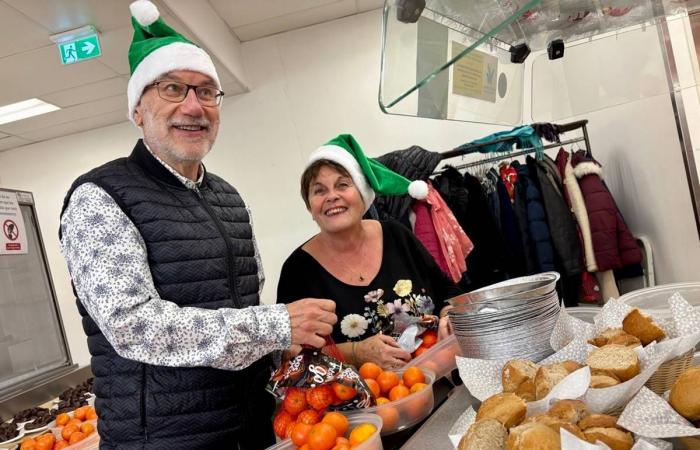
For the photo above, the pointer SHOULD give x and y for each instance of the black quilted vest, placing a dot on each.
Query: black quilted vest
(201, 254)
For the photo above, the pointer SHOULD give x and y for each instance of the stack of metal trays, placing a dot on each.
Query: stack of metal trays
(512, 319)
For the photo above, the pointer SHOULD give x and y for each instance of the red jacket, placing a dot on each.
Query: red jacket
(613, 243)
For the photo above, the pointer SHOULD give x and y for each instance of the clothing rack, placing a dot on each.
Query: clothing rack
(521, 153)
(563, 128)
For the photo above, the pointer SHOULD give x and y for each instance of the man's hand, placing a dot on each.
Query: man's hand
(312, 319)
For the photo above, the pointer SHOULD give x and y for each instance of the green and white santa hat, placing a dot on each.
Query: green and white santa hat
(368, 174)
(156, 49)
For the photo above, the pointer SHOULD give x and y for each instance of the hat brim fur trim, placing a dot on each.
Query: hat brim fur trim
(163, 60)
(341, 156)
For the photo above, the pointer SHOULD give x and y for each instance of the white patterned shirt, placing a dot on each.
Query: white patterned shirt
(108, 263)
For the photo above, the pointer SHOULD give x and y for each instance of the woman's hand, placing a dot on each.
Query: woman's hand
(382, 350)
(444, 326)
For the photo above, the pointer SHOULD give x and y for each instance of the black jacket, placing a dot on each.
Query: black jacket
(561, 221)
(413, 163)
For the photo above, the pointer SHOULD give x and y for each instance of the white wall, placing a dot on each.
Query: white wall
(307, 86)
(619, 84)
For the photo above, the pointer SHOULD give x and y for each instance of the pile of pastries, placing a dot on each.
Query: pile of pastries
(501, 424)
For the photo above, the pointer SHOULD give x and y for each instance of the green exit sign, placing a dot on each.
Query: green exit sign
(77, 50)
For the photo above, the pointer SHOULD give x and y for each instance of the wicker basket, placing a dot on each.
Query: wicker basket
(691, 443)
(668, 373)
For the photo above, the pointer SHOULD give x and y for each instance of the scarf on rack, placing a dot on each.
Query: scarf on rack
(454, 242)
(524, 137)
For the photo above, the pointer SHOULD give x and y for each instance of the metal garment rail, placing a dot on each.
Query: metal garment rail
(519, 153)
(467, 149)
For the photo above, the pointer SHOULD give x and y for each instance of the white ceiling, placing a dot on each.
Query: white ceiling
(92, 93)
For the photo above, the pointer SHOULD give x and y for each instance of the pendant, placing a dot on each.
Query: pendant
(362, 278)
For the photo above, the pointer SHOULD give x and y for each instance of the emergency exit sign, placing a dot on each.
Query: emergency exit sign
(77, 50)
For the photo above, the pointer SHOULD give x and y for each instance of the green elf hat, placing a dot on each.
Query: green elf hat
(369, 175)
(156, 49)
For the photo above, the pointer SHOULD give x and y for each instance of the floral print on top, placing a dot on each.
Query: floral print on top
(409, 284)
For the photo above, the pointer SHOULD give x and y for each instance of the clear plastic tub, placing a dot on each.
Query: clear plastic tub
(585, 313)
(654, 300)
(440, 358)
(373, 443)
(403, 413)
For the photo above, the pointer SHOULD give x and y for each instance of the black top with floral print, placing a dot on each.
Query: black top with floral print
(409, 284)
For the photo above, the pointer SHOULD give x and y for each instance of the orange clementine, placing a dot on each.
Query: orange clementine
(398, 392)
(67, 431)
(343, 391)
(373, 387)
(418, 387)
(304, 447)
(91, 414)
(370, 370)
(45, 441)
(281, 421)
(309, 416)
(419, 351)
(413, 375)
(79, 413)
(340, 440)
(429, 338)
(60, 445)
(390, 418)
(87, 428)
(289, 429)
(28, 444)
(361, 433)
(76, 437)
(76, 422)
(338, 421)
(294, 401)
(321, 437)
(382, 400)
(300, 432)
(342, 446)
(62, 419)
(387, 380)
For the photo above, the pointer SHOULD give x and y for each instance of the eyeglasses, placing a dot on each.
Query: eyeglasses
(176, 92)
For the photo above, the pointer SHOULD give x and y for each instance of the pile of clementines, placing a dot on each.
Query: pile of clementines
(388, 386)
(312, 429)
(429, 338)
(72, 429)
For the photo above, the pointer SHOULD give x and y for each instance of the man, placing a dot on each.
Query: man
(167, 273)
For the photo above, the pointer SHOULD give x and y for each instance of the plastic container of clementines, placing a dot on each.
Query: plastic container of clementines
(400, 414)
(374, 442)
(440, 358)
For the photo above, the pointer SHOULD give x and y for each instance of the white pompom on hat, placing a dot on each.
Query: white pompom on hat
(369, 175)
(156, 49)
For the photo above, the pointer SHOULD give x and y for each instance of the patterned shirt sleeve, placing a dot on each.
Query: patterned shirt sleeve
(108, 263)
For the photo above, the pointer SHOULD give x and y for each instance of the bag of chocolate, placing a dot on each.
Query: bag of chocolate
(328, 383)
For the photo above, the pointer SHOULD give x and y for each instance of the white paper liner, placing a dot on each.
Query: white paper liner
(483, 378)
(682, 329)
(568, 440)
(650, 415)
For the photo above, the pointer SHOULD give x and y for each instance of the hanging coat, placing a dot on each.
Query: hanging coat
(561, 222)
(511, 233)
(464, 196)
(424, 229)
(414, 163)
(613, 243)
(574, 197)
(538, 229)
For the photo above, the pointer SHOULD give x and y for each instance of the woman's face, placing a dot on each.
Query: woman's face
(334, 202)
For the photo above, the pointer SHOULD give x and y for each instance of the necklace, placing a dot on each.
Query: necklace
(354, 273)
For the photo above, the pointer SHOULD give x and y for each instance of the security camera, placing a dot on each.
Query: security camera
(409, 11)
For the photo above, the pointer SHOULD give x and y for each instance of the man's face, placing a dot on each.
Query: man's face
(178, 132)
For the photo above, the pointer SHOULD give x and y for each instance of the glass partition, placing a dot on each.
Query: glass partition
(32, 342)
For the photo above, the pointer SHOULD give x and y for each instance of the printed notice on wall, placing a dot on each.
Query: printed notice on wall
(474, 75)
(13, 236)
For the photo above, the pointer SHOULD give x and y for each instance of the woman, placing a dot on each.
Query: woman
(380, 276)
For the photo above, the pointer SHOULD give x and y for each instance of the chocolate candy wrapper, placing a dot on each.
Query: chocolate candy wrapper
(312, 368)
